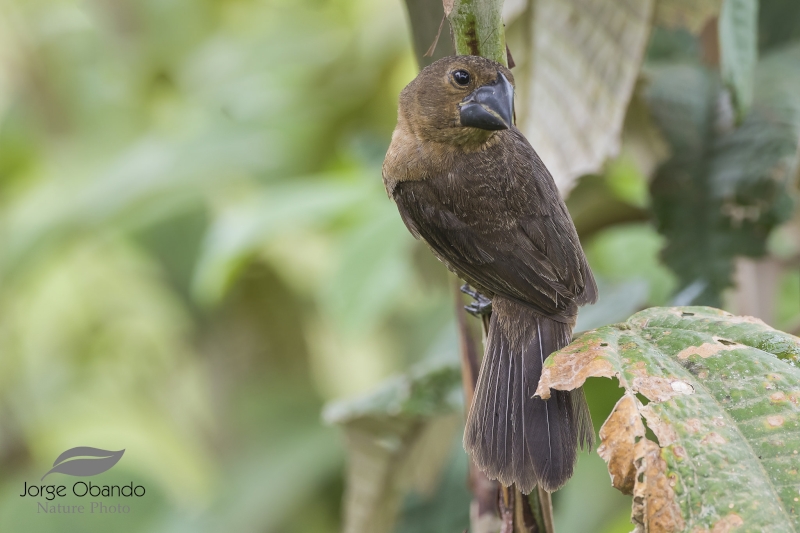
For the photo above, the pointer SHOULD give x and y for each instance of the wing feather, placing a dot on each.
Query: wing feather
(498, 221)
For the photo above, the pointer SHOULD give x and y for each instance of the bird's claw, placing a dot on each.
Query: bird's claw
(479, 309)
(482, 305)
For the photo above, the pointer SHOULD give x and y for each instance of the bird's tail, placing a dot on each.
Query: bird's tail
(511, 435)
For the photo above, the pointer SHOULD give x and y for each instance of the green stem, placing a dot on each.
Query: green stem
(478, 28)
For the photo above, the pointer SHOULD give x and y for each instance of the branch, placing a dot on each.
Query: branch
(483, 509)
(477, 27)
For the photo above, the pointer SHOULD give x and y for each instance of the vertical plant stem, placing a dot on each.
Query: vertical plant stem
(478, 28)
(483, 509)
(507, 505)
(542, 504)
(469, 353)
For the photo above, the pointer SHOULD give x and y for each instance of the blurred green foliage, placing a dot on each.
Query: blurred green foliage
(182, 183)
(197, 254)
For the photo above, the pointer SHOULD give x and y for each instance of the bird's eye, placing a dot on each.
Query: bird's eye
(461, 77)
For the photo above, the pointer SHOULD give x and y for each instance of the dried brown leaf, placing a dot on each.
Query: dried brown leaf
(448, 7)
(662, 429)
(618, 438)
(573, 365)
(654, 505)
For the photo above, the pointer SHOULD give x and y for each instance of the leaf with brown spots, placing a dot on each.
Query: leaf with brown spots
(655, 505)
(722, 402)
(618, 438)
(661, 428)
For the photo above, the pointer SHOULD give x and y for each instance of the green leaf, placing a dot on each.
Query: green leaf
(617, 301)
(243, 227)
(577, 72)
(720, 393)
(447, 508)
(738, 40)
(778, 23)
(600, 509)
(724, 189)
(374, 270)
(629, 252)
(284, 474)
(151, 180)
(421, 394)
(397, 439)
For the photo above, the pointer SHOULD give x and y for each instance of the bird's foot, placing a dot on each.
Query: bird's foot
(482, 305)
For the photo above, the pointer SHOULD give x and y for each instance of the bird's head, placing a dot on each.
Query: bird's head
(460, 100)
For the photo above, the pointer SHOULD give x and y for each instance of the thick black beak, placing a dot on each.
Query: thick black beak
(490, 107)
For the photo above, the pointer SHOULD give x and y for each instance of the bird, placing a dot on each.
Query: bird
(467, 182)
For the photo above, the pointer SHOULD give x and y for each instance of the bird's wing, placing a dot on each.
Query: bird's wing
(503, 228)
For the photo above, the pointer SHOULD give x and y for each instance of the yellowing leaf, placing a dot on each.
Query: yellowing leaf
(579, 79)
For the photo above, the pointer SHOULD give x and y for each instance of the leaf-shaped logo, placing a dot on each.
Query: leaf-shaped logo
(101, 460)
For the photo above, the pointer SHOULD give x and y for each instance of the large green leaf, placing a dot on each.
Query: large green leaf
(447, 509)
(721, 394)
(397, 439)
(738, 43)
(778, 23)
(374, 270)
(681, 99)
(724, 189)
(242, 227)
(577, 71)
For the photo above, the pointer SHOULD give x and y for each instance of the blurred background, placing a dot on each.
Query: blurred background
(197, 253)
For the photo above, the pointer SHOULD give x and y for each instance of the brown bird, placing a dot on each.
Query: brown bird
(468, 183)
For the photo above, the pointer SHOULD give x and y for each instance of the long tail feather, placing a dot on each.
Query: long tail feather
(511, 435)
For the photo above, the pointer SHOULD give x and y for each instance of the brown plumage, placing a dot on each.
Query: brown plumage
(469, 184)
